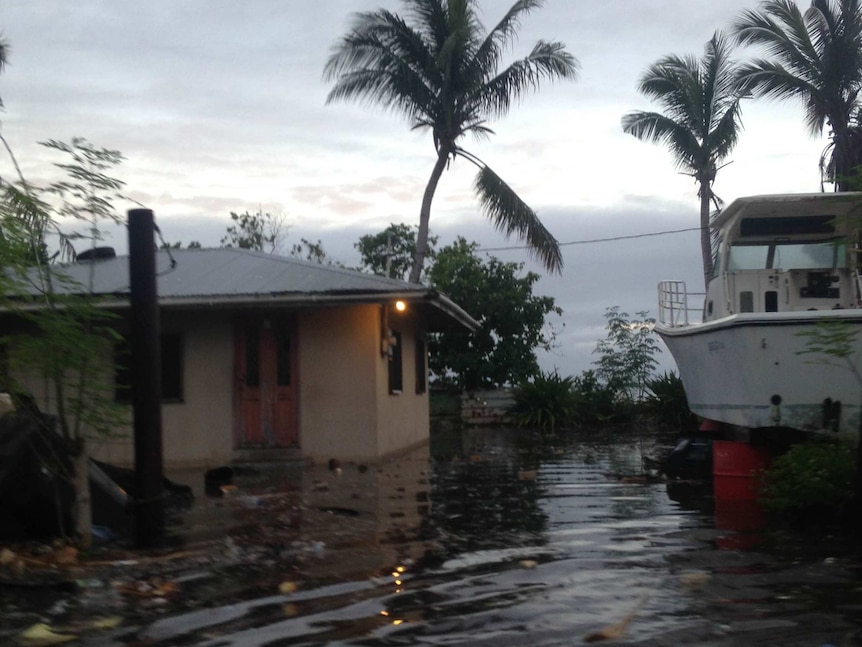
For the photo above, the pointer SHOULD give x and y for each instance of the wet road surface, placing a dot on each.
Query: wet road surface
(497, 542)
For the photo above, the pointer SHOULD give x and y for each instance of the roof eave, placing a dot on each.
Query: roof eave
(428, 296)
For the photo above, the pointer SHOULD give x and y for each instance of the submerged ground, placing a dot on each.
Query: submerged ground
(488, 538)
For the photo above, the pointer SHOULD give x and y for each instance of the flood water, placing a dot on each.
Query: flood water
(497, 540)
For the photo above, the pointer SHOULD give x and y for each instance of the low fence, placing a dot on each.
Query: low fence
(488, 407)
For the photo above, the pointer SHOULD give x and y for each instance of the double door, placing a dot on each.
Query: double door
(265, 370)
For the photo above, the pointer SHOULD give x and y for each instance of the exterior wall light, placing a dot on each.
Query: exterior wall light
(400, 306)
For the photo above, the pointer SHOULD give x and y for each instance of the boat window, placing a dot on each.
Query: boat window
(747, 257)
(716, 258)
(810, 256)
(787, 225)
(787, 256)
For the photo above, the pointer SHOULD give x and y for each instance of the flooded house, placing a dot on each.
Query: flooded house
(266, 357)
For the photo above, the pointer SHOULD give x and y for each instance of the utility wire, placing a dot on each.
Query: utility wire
(597, 240)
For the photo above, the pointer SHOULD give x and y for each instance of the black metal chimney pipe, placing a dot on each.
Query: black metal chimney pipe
(146, 380)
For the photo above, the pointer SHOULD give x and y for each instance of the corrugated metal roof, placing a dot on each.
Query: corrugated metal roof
(231, 276)
(233, 272)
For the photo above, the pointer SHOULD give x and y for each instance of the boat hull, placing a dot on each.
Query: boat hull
(758, 370)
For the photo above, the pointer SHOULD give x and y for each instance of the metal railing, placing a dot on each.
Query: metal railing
(673, 303)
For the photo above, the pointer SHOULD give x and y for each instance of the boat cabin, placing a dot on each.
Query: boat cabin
(786, 253)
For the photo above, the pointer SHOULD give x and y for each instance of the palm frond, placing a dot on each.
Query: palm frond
(726, 132)
(489, 52)
(815, 56)
(511, 215)
(382, 61)
(657, 128)
(431, 20)
(547, 61)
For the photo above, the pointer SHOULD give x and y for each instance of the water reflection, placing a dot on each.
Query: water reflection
(495, 539)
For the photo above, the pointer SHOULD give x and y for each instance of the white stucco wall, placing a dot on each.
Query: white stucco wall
(196, 432)
(338, 354)
(403, 418)
(199, 431)
(345, 410)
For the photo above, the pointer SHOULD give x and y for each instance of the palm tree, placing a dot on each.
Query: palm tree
(701, 123)
(816, 56)
(4, 50)
(441, 70)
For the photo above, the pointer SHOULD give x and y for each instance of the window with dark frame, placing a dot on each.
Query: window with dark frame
(396, 378)
(172, 370)
(421, 369)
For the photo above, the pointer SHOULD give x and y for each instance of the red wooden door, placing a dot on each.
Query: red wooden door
(265, 384)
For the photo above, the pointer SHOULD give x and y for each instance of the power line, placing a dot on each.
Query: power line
(597, 240)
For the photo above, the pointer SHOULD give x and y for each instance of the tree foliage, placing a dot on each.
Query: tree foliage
(437, 66)
(627, 356)
(512, 320)
(260, 231)
(85, 195)
(179, 245)
(310, 251)
(65, 338)
(390, 252)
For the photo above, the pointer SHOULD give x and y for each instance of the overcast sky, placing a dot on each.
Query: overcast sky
(219, 106)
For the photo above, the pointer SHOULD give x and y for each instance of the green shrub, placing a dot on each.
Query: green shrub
(814, 478)
(544, 403)
(667, 403)
(597, 404)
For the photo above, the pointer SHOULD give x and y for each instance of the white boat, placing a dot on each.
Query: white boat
(778, 343)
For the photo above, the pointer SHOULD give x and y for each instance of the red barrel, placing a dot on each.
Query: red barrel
(736, 469)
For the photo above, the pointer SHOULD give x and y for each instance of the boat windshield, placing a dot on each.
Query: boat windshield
(787, 256)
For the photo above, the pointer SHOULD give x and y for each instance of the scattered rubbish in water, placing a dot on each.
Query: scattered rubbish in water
(694, 580)
(42, 635)
(618, 629)
(287, 587)
(344, 512)
(455, 553)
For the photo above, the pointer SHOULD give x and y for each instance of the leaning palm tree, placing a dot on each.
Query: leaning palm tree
(701, 123)
(815, 56)
(442, 71)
